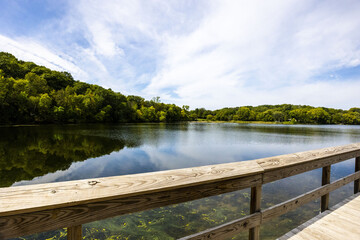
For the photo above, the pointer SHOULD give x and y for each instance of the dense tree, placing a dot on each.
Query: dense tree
(318, 115)
(243, 114)
(299, 115)
(281, 113)
(35, 94)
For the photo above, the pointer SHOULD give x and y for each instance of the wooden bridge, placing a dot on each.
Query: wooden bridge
(31, 209)
(342, 221)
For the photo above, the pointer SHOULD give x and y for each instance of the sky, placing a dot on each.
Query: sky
(201, 53)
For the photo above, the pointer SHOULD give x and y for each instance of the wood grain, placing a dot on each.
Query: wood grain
(287, 170)
(324, 204)
(227, 230)
(357, 182)
(288, 160)
(64, 194)
(341, 222)
(36, 208)
(296, 202)
(23, 199)
(45, 220)
(74, 233)
(255, 206)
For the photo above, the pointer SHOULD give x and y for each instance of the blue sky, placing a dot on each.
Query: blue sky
(209, 54)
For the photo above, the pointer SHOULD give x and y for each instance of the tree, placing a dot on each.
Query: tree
(351, 118)
(318, 115)
(45, 103)
(209, 117)
(162, 117)
(30, 93)
(266, 116)
(243, 114)
(36, 84)
(156, 99)
(299, 114)
(58, 80)
(185, 113)
(279, 116)
(10, 66)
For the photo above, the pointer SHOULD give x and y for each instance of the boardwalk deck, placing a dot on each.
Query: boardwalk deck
(339, 222)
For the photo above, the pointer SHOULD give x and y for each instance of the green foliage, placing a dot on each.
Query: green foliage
(209, 117)
(243, 114)
(35, 94)
(318, 115)
(287, 113)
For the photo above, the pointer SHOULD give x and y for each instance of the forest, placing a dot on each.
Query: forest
(35, 94)
(30, 93)
(284, 113)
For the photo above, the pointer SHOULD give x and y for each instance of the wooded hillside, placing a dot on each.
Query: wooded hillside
(35, 94)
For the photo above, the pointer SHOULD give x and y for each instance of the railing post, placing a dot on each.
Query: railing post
(255, 206)
(357, 182)
(74, 233)
(325, 180)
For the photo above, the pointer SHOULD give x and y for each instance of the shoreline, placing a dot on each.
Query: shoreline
(193, 121)
(259, 122)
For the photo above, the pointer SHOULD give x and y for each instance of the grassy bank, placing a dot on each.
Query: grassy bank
(255, 122)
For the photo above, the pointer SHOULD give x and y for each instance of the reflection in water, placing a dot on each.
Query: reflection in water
(30, 155)
(26, 153)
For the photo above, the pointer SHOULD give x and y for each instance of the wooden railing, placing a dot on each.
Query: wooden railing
(36, 208)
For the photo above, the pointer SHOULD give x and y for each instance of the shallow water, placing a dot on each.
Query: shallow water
(40, 154)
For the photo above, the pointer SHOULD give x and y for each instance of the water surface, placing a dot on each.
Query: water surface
(41, 154)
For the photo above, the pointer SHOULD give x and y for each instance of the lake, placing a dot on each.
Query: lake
(51, 153)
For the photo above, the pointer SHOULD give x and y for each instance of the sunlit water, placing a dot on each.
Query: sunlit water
(41, 154)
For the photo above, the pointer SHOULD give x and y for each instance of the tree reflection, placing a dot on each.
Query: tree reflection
(26, 153)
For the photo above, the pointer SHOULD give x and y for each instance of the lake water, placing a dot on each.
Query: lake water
(41, 154)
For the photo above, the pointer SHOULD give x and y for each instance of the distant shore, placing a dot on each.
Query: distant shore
(260, 122)
(197, 120)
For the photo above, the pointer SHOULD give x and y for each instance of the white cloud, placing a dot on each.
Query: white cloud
(29, 50)
(126, 36)
(206, 53)
(256, 52)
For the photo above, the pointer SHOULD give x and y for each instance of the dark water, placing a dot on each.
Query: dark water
(40, 154)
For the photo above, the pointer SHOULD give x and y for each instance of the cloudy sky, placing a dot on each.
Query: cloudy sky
(200, 53)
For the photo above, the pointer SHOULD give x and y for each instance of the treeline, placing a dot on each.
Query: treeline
(281, 113)
(35, 94)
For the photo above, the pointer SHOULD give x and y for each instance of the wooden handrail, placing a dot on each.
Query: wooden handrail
(72, 193)
(30, 209)
(251, 221)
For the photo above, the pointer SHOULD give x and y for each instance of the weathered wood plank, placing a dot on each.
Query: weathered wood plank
(350, 213)
(284, 166)
(273, 175)
(287, 160)
(341, 222)
(74, 233)
(255, 206)
(338, 226)
(30, 209)
(296, 202)
(54, 195)
(28, 223)
(228, 229)
(255, 200)
(357, 182)
(324, 204)
(23, 199)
